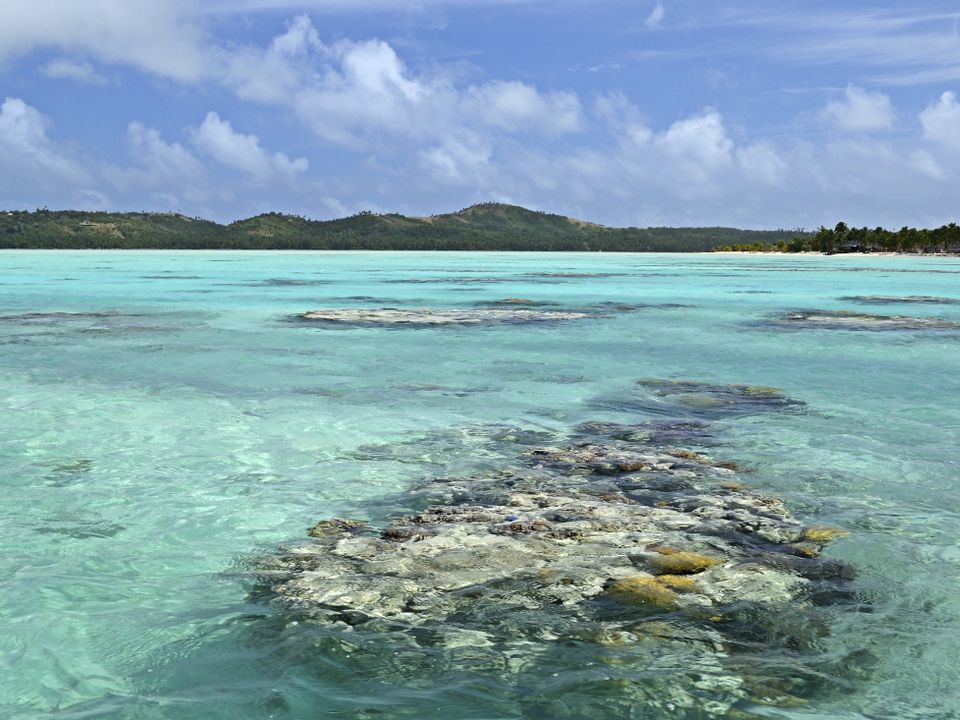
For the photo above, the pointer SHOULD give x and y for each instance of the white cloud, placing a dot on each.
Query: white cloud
(153, 36)
(698, 145)
(623, 118)
(218, 139)
(78, 70)
(761, 163)
(941, 122)
(860, 110)
(517, 106)
(157, 163)
(363, 93)
(655, 18)
(272, 75)
(429, 137)
(925, 163)
(458, 160)
(354, 93)
(27, 154)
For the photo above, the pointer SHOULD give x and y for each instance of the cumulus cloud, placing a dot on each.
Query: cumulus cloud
(941, 122)
(695, 148)
(359, 93)
(153, 36)
(27, 154)
(363, 90)
(274, 74)
(518, 106)
(163, 163)
(423, 138)
(860, 110)
(353, 93)
(218, 139)
(78, 70)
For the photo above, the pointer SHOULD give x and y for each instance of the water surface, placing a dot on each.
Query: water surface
(164, 420)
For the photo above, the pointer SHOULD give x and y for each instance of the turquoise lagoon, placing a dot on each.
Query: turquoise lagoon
(163, 421)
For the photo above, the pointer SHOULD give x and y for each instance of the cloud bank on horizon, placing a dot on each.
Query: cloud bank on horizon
(639, 112)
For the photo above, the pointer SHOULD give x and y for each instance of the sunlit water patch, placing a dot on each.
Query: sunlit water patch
(162, 433)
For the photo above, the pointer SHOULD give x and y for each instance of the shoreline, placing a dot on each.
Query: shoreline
(810, 253)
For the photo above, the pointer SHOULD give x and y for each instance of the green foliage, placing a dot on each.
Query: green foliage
(842, 239)
(487, 226)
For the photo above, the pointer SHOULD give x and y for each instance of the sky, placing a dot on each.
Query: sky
(747, 113)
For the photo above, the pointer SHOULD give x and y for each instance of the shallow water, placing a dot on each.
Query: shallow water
(164, 421)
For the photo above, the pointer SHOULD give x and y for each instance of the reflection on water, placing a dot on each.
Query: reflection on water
(158, 433)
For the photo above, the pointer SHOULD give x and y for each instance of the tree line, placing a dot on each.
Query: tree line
(845, 239)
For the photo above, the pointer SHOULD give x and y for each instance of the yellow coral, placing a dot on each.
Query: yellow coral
(683, 563)
(643, 591)
(678, 583)
(823, 534)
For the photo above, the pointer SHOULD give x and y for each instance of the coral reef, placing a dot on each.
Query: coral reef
(848, 320)
(640, 550)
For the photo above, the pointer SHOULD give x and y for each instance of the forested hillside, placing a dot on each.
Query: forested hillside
(488, 226)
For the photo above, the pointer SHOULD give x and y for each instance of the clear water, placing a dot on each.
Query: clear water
(147, 454)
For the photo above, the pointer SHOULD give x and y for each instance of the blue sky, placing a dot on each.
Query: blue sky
(671, 112)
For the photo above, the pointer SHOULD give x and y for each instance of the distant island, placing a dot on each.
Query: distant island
(486, 226)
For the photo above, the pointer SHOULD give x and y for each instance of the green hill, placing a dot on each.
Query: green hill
(487, 226)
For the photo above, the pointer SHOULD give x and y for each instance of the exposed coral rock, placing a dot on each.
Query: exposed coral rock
(847, 320)
(644, 591)
(678, 583)
(637, 550)
(682, 563)
(336, 527)
(426, 317)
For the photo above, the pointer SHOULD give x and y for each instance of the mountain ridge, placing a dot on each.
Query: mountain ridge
(483, 226)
